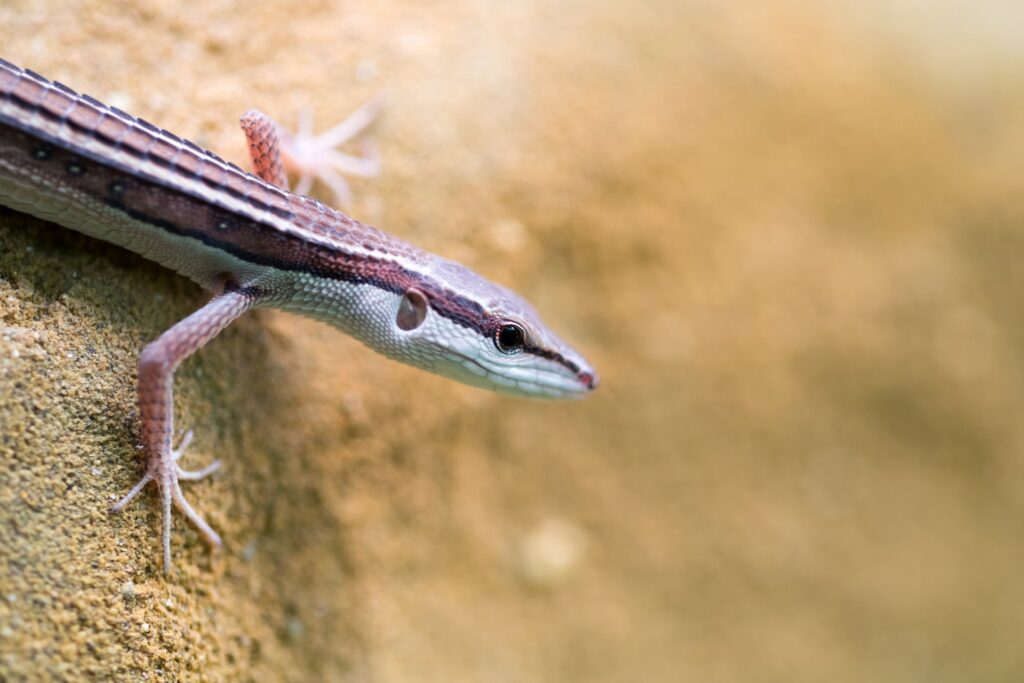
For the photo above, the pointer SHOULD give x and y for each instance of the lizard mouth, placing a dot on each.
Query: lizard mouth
(529, 380)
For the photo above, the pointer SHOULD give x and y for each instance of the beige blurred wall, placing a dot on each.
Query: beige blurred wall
(789, 236)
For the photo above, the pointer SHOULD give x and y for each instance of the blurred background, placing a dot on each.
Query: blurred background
(788, 236)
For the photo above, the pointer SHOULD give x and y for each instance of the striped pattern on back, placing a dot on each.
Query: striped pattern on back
(231, 211)
(175, 193)
(52, 111)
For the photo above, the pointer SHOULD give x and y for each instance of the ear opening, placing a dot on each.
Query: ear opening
(412, 310)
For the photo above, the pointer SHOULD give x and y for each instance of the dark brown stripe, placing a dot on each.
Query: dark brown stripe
(252, 241)
(552, 356)
(156, 150)
(333, 264)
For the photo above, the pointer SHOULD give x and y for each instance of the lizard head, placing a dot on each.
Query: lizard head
(456, 323)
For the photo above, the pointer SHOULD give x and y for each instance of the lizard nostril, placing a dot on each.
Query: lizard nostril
(590, 379)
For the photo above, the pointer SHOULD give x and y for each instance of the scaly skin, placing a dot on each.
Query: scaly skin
(70, 159)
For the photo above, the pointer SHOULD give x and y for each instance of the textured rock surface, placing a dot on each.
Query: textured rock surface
(790, 242)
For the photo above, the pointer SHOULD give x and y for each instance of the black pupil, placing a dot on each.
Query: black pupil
(510, 337)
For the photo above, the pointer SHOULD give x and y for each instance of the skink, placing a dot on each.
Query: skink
(69, 159)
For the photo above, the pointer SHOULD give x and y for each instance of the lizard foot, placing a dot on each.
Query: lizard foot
(165, 471)
(315, 157)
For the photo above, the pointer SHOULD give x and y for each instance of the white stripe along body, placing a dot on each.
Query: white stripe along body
(203, 199)
(69, 159)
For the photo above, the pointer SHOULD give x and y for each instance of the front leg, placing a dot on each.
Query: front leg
(264, 148)
(312, 157)
(157, 364)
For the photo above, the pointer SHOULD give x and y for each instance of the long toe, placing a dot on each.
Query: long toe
(119, 505)
(205, 529)
(196, 475)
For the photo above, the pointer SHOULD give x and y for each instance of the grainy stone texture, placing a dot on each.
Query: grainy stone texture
(790, 239)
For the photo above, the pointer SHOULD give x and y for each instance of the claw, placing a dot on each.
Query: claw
(315, 157)
(185, 441)
(166, 472)
(191, 475)
(196, 475)
(339, 186)
(119, 505)
(354, 124)
(193, 516)
(165, 500)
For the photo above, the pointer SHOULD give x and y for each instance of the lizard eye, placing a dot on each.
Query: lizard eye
(412, 310)
(510, 338)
